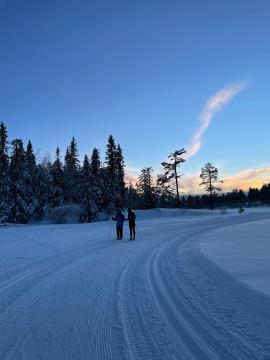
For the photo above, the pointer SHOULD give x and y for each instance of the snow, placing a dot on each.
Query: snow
(243, 250)
(73, 292)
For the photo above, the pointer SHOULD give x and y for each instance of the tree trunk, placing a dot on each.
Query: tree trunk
(211, 194)
(176, 181)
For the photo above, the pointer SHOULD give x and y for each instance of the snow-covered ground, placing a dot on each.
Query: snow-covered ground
(73, 292)
(244, 251)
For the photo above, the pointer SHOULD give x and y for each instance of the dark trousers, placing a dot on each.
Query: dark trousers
(119, 231)
(132, 231)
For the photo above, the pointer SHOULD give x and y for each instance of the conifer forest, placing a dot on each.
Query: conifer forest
(30, 188)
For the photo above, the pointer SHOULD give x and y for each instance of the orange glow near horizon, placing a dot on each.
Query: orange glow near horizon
(245, 179)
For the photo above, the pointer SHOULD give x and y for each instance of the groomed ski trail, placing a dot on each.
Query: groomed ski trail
(154, 298)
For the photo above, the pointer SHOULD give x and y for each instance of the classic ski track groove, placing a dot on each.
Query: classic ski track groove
(184, 320)
(153, 309)
(36, 267)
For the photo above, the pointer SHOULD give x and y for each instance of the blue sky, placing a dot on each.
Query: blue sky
(141, 70)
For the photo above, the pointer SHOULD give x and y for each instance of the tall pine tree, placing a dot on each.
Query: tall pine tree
(89, 203)
(31, 180)
(18, 212)
(171, 173)
(4, 173)
(58, 181)
(120, 178)
(111, 175)
(209, 176)
(98, 178)
(72, 173)
(44, 189)
(145, 188)
(95, 164)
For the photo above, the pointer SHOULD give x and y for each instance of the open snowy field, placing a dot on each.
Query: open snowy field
(73, 292)
(244, 251)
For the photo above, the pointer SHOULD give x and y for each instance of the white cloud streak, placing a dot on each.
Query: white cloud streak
(215, 104)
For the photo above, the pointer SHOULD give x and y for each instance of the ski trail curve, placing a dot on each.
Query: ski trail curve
(167, 309)
(155, 298)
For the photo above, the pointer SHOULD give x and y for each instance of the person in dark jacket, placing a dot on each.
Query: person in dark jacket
(119, 218)
(132, 224)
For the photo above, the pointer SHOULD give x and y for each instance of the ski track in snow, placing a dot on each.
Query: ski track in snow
(73, 294)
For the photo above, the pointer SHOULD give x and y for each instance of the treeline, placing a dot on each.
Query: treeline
(233, 199)
(164, 191)
(28, 187)
(154, 197)
(151, 193)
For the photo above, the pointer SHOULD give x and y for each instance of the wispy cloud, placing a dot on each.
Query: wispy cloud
(213, 105)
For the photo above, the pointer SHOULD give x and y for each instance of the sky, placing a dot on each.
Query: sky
(157, 75)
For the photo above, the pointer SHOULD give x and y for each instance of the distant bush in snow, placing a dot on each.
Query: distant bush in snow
(66, 214)
(103, 216)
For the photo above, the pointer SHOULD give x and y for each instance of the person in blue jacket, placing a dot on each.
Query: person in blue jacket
(119, 218)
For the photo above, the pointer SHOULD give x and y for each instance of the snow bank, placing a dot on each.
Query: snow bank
(70, 214)
(243, 251)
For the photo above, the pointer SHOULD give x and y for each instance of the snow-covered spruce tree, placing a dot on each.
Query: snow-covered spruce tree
(111, 176)
(18, 206)
(209, 176)
(264, 194)
(89, 204)
(193, 202)
(165, 193)
(254, 196)
(234, 198)
(89, 207)
(43, 189)
(171, 173)
(95, 164)
(132, 197)
(120, 179)
(72, 173)
(98, 178)
(31, 180)
(58, 181)
(4, 173)
(146, 189)
(30, 159)
(38, 184)
(104, 196)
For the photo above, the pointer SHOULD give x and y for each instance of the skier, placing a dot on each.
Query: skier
(119, 218)
(131, 222)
